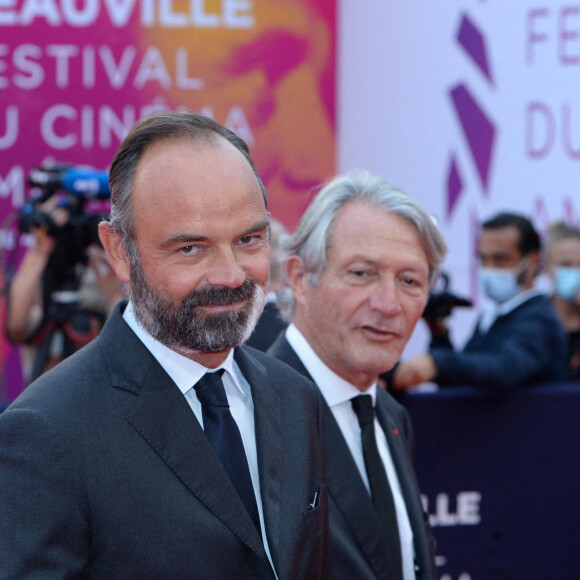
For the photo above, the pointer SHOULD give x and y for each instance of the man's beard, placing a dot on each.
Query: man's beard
(186, 328)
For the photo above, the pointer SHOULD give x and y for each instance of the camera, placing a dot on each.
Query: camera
(80, 184)
(75, 186)
(441, 301)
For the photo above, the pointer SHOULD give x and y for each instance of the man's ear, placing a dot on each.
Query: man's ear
(297, 277)
(116, 251)
(536, 264)
(532, 269)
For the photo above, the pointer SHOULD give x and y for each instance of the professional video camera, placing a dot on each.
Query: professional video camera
(441, 301)
(80, 184)
(61, 280)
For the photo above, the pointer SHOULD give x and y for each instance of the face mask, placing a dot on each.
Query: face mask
(501, 284)
(567, 283)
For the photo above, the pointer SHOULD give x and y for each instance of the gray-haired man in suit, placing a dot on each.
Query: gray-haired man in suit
(163, 449)
(360, 266)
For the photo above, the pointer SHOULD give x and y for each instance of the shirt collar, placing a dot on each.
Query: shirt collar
(334, 389)
(493, 311)
(183, 371)
(518, 299)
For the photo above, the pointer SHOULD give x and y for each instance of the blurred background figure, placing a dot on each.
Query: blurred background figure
(63, 289)
(563, 268)
(518, 340)
(271, 323)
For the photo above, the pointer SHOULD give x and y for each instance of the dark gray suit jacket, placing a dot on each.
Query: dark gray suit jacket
(106, 473)
(359, 545)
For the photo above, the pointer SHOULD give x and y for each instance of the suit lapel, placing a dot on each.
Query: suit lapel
(162, 416)
(408, 483)
(353, 500)
(268, 443)
(399, 452)
(164, 419)
(282, 350)
(345, 484)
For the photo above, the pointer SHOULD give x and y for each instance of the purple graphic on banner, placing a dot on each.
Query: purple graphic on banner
(478, 130)
(454, 185)
(473, 41)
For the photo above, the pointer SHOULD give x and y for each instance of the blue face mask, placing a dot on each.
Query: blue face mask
(501, 284)
(567, 283)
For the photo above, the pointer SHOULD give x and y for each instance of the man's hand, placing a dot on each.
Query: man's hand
(415, 371)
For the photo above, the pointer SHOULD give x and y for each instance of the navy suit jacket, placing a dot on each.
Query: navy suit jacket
(359, 545)
(105, 472)
(523, 347)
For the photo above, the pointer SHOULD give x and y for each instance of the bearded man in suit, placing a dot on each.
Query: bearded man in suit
(360, 266)
(163, 449)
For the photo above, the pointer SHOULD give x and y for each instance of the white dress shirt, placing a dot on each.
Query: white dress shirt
(338, 394)
(186, 373)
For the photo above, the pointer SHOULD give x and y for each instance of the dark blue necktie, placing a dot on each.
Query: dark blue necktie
(224, 435)
(378, 482)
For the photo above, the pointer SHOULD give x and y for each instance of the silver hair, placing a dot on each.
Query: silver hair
(310, 240)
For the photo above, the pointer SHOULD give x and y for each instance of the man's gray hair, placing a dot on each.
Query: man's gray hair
(310, 240)
(149, 130)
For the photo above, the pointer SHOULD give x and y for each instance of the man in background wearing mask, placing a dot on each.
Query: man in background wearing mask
(519, 340)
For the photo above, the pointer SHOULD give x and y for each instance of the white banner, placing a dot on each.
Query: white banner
(472, 107)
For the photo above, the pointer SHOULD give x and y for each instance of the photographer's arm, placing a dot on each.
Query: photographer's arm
(24, 295)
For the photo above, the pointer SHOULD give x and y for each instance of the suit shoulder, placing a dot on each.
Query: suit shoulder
(271, 362)
(540, 310)
(537, 304)
(389, 404)
(276, 369)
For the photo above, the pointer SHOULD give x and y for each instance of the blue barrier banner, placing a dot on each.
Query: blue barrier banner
(500, 478)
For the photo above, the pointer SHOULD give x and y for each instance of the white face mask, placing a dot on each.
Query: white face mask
(567, 283)
(501, 284)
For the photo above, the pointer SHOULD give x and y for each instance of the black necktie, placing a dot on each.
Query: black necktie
(224, 435)
(379, 484)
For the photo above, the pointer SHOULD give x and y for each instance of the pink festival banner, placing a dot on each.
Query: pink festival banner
(75, 75)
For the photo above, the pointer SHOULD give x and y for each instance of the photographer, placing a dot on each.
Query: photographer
(50, 331)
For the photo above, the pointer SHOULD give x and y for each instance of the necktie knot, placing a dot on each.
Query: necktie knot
(210, 390)
(363, 407)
